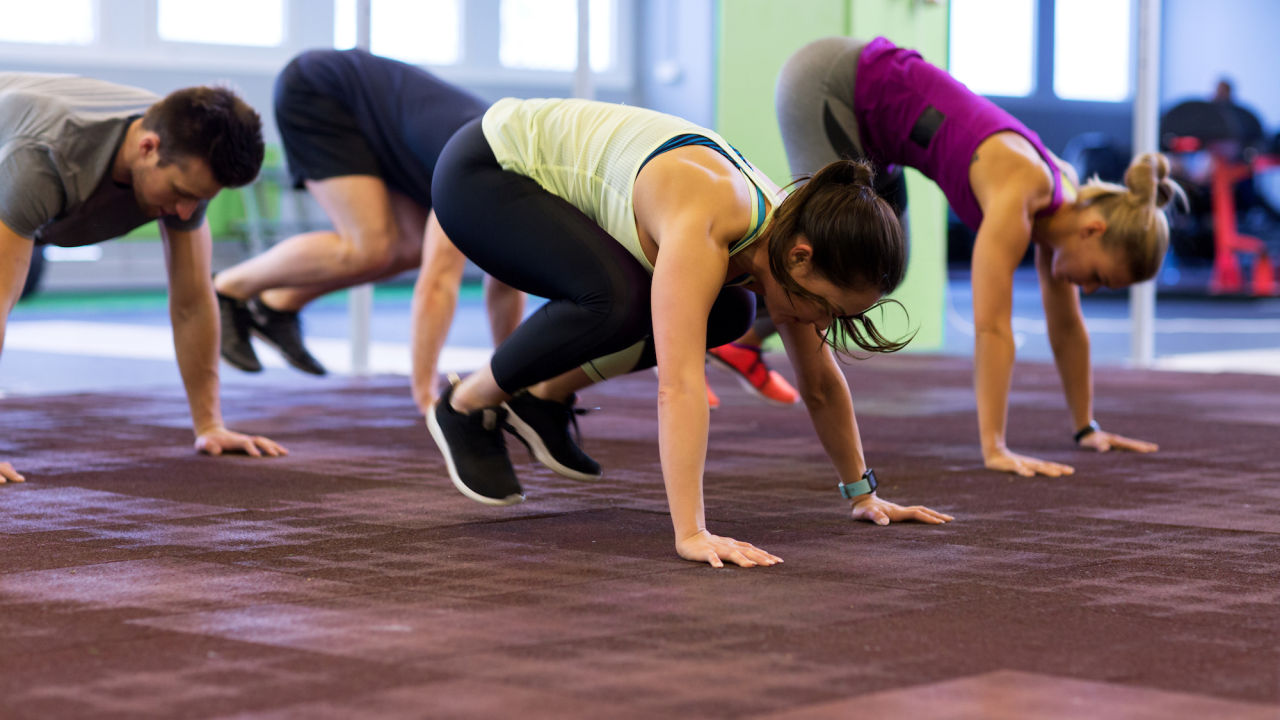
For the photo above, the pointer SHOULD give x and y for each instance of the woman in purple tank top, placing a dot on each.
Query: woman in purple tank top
(844, 97)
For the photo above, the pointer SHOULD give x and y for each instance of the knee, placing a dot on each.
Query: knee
(368, 252)
(407, 255)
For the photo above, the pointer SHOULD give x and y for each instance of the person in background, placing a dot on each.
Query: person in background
(843, 97)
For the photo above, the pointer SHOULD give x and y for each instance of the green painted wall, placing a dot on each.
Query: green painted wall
(756, 37)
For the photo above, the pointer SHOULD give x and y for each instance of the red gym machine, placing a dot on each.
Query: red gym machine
(1232, 137)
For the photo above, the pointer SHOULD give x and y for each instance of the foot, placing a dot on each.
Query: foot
(475, 452)
(713, 400)
(543, 427)
(283, 331)
(236, 348)
(746, 362)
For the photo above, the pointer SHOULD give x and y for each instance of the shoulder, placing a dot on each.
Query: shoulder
(1007, 170)
(1066, 168)
(695, 184)
(31, 192)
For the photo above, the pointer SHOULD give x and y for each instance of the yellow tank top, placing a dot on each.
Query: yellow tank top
(589, 154)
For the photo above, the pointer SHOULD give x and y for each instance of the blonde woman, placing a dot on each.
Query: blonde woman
(841, 97)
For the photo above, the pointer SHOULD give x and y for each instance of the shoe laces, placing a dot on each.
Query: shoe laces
(574, 412)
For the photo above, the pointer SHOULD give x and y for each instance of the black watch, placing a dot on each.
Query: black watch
(1087, 430)
(866, 485)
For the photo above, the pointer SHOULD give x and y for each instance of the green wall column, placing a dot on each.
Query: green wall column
(756, 37)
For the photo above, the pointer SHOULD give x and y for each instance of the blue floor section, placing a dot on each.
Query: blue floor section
(1186, 324)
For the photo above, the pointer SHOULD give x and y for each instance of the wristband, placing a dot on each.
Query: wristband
(1087, 430)
(866, 485)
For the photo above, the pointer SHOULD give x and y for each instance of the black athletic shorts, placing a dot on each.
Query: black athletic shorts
(320, 135)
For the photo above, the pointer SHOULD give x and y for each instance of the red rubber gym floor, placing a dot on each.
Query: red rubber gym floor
(350, 580)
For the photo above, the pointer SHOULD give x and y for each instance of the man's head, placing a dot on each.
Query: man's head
(193, 143)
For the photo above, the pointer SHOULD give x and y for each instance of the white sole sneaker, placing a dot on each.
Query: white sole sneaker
(533, 441)
(437, 434)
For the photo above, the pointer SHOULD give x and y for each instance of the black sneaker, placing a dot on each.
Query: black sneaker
(475, 452)
(543, 427)
(283, 331)
(235, 321)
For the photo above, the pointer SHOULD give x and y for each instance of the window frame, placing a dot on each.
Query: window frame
(1043, 60)
(1037, 53)
(128, 37)
(95, 10)
(1130, 71)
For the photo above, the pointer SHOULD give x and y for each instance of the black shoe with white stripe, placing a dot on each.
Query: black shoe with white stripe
(475, 452)
(543, 427)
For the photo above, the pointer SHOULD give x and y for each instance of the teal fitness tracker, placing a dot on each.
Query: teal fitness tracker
(862, 487)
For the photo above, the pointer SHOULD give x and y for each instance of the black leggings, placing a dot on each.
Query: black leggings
(597, 293)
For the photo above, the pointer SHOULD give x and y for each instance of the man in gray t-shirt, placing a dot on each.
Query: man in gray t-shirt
(83, 161)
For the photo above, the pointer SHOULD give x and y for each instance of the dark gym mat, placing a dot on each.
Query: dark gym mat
(351, 580)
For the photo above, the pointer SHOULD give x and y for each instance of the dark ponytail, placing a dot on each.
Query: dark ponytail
(857, 243)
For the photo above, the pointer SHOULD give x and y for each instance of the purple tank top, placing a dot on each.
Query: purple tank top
(915, 114)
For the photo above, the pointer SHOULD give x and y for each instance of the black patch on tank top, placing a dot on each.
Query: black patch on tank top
(927, 126)
(840, 141)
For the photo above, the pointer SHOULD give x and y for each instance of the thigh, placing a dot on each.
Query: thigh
(359, 206)
(411, 228)
(523, 235)
(814, 103)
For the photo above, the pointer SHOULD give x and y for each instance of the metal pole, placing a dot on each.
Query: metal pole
(360, 298)
(1146, 113)
(582, 80)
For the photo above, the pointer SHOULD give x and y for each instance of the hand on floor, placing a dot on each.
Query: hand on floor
(1102, 441)
(883, 512)
(222, 440)
(8, 474)
(1025, 465)
(714, 550)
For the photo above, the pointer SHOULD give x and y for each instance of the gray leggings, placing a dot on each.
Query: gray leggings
(814, 100)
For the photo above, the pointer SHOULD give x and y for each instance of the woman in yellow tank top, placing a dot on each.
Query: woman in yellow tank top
(646, 234)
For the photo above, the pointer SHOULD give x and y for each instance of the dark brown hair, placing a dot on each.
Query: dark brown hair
(212, 124)
(857, 243)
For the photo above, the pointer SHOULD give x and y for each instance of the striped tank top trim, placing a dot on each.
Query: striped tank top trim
(758, 214)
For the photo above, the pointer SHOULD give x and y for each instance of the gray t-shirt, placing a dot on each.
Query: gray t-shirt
(59, 135)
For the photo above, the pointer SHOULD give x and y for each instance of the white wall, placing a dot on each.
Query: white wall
(1206, 39)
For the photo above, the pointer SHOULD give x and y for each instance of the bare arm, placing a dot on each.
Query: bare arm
(505, 306)
(193, 311)
(435, 300)
(691, 210)
(1002, 239)
(686, 280)
(15, 261)
(826, 396)
(1069, 340)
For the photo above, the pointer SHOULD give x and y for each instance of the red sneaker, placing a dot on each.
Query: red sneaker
(747, 364)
